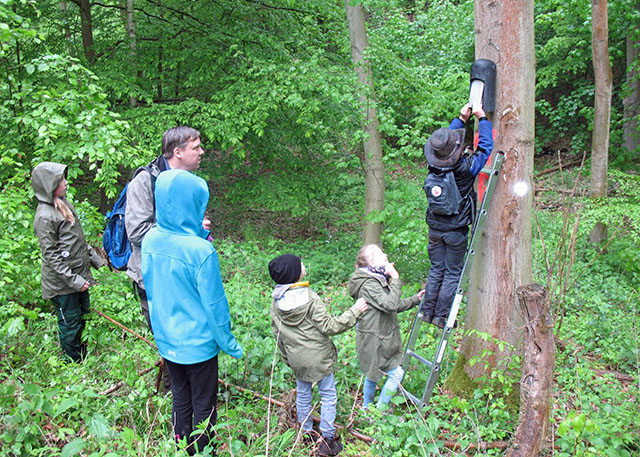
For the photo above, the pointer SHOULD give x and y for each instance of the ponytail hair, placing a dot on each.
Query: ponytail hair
(64, 209)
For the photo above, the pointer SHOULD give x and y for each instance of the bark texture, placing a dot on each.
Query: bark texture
(601, 108)
(536, 382)
(372, 157)
(632, 100)
(504, 34)
(86, 29)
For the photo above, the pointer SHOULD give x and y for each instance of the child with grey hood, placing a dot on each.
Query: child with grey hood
(302, 327)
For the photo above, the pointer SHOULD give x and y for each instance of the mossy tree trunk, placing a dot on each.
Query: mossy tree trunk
(504, 34)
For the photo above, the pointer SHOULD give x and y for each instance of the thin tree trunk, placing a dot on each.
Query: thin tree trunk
(601, 109)
(160, 55)
(67, 29)
(536, 382)
(372, 157)
(632, 100)
(87, 29)
(131, 32)
(504, 34)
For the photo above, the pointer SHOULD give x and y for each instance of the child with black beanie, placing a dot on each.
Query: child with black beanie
(302, 327)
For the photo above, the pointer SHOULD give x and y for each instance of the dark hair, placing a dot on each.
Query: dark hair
(177, 137)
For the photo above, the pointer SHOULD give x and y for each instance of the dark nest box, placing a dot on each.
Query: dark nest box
(483, 84)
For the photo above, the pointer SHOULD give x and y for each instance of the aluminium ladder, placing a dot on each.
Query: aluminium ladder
(434, 366)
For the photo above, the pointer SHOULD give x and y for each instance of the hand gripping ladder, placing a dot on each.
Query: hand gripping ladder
(434, 366)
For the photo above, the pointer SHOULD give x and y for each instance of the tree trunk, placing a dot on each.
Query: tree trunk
(504, 34)
(536, 382)
(372, 157)
(87, 29)
(131, 32)
(160, 55)
(632, 100)
(601, 109)
(67, 29)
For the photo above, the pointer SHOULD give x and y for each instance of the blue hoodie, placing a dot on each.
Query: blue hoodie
(187, 304)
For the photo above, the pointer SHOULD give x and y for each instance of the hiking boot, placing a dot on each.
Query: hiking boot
(329, 446)
(440, 322)
(426, 317)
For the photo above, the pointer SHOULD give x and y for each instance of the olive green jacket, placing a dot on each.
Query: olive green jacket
(66, 256)
(302, 326)
(378, 335)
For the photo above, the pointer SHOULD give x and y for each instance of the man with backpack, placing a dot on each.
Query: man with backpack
(181, 149)
(451, 207)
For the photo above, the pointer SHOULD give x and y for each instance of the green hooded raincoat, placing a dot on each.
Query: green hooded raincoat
(302, 327)
(66, 256)
(378, 335)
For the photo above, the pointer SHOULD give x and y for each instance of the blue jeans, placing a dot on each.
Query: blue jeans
(329, 400)
(389, 388)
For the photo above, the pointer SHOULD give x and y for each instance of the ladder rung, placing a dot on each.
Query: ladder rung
(420, 358)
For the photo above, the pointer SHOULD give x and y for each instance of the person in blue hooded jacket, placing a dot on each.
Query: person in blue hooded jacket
(187, 304)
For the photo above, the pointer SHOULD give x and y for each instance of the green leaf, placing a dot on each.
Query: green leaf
(73, 447)
(99, 427)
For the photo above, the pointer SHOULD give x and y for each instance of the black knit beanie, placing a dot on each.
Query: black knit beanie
(285, 269)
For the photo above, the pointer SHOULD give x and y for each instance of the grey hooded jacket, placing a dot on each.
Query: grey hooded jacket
(66, 256)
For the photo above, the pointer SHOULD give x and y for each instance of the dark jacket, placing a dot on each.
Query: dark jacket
(464, 172)
(66, 256)
(302, 326)
(378, 334)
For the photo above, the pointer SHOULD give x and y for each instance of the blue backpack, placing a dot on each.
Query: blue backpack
(114, 239)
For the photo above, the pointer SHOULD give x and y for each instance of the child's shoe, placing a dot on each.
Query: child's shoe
(329, 447)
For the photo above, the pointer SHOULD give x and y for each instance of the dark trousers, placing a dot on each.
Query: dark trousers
(71, 309)
(446, 253)
(195, 393)
(144, 306)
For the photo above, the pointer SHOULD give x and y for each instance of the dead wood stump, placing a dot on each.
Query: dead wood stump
(537, 372)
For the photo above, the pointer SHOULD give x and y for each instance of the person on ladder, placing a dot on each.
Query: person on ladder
(451, 207)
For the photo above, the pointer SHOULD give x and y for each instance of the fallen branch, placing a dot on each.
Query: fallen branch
(120, 384)
(564, 166)
(100, 313)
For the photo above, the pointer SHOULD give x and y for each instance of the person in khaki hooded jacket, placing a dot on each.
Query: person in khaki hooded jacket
(66, 256)
(302, 327)
(378, 338)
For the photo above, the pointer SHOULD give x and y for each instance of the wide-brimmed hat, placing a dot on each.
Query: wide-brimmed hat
(444, 147)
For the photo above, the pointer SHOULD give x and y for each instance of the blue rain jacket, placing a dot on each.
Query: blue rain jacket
(187, 303)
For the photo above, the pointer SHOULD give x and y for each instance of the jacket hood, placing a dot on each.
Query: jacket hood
(293, 306)
(45, 177)
(181, 201)
(359, 277)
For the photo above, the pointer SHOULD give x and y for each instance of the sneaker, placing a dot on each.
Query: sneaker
(329, 446)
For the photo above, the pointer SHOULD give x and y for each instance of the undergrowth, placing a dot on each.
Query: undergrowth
(109, 406)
